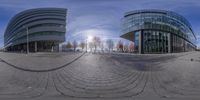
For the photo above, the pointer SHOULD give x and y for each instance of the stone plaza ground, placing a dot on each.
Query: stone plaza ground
(99, 76)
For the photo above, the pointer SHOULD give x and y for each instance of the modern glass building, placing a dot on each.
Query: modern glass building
(158, 31)
(41, 29)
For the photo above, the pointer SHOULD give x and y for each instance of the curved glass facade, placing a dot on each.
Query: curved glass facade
(46, 27)
(159, 31)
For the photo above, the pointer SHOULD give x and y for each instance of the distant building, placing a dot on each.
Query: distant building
(44, 28)
(158, 31)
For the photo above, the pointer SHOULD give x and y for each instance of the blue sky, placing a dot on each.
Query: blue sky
(99, 17)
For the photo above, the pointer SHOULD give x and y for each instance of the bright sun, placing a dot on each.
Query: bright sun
(89, 39)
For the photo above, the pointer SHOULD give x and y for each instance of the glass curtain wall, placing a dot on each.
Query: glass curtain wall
(155, 42)
(178, 44)
(162, 31)
(136, 43)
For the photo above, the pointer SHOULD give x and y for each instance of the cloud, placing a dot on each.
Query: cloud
(103, 16)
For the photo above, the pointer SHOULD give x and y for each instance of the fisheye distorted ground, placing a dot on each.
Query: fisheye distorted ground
(99, 76)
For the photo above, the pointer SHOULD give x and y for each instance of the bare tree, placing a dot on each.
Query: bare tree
(102, 46)
(125, 47)
(131, 47)
(96, 43)
(82, 45)
(110, 44)
(120, 46)
(91, 45)
(75, 44)
(69, 45)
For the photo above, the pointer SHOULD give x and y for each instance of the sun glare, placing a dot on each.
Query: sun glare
(89, 39)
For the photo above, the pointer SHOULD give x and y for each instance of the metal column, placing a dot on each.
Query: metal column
(141, 42)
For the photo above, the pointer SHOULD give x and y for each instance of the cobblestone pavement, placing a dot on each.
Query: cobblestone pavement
(87, 76)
